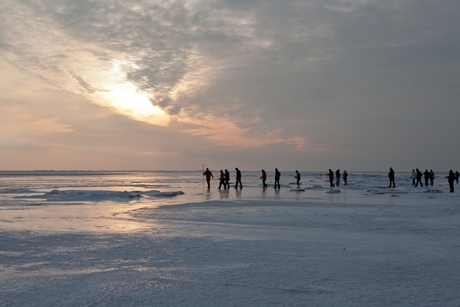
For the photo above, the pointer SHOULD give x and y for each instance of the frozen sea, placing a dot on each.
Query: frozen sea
(161, 238)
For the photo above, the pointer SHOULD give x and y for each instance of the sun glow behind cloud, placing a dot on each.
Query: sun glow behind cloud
(153, 81)
(125, 98)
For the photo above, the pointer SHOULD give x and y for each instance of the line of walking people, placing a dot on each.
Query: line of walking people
(417, 175)
(428, 177)
(337, 178)
(224, 179)
(277, 178)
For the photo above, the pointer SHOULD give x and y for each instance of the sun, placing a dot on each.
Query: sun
(126, 99)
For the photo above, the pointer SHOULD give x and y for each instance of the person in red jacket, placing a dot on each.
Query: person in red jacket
(208, 175)
(331, 178)
(222, 180)
(264, 177)
(227, 179)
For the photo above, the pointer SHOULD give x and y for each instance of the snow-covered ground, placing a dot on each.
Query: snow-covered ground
(160, 239)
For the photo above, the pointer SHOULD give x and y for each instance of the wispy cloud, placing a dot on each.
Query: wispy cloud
(125, 54)
(309, 74)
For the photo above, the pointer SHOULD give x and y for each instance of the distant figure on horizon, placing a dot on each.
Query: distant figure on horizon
(331, 178)
(277, 178)
(345, 177)
(208, 175)
(419, 178)
(431, 177)
(337, 177)
(222, 180)
(391, 176)
(264, 177)
(227, 178)
(297, 176)
(413, 176)
(451, 179)
(426, 176)
(238, 178)
(456, 176)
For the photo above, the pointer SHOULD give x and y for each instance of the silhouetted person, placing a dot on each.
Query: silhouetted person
(238, 178)
(431, 177)
(413, 176)
(277, 178)
(419, 178)
(451, 179)
(337, 177)
(222, 179)
(456, 176)
(208, 175)
(264, 177)
(331, 178)
(391, 176)
(345, 177)
(227, 178)
(426, 176)
(297, 176)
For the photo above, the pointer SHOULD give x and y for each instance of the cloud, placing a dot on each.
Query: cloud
(309, 74)
(123, 54)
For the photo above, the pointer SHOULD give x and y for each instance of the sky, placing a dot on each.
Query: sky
(361, 85)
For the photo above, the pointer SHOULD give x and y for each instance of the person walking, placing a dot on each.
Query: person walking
(413, 176)
(222, 180)
(391, 176)
(208, 175)
(431, 177)
(451, 179)
(337, 177)
(277, 178)
(426, 176)
(419, 178)
(297, 176)
(331, 178)
(264, 177)
(227, 179)
(456, 176)
(238, 178)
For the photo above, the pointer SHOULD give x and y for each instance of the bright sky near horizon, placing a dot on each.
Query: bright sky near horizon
(308, 85)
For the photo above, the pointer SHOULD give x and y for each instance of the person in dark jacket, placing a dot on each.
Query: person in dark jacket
(337, 177)
(238, 178)
(456, 176)
(345, 177)
(419, 178)
(426, 176)
(297, 176)
(391, 176)
(451, 179)
(277, 178)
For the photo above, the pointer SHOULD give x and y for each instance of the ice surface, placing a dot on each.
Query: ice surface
(64, 241)
(98, 195)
